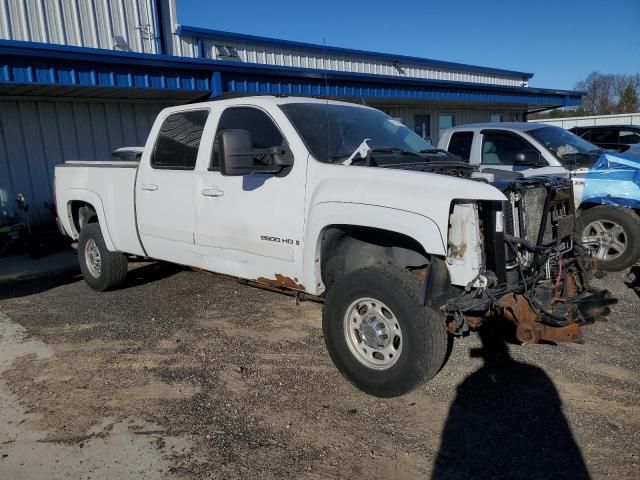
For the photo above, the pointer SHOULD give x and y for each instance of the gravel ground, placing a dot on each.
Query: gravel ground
(222, 380)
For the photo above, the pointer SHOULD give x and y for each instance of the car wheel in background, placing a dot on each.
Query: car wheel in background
(612, 234)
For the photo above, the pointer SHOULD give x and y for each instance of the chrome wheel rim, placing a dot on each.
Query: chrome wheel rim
(92, 258)
(606, 239)
(373, 333)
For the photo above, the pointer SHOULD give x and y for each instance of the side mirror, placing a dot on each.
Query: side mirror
(238, 157)
(529, 158)
(235, 151)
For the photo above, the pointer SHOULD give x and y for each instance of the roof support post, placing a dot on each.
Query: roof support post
(216, 84)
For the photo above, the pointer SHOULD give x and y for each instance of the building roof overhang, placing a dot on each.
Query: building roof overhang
(28, 68)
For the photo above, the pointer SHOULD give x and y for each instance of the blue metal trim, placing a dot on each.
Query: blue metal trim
(216, 84)
(45, 64)
(61, 72)
(218, 34)
(63, 52)
(253, 84)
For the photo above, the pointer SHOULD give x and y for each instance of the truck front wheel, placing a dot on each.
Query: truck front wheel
(379, 334)
(101, 268)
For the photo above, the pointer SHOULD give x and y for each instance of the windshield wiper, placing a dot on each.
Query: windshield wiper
(364, 150)
(578, 154)
(434, 150)
(395, 150)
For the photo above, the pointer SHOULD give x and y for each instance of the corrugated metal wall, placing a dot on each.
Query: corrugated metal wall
(37, 135)
(86, 23)
(316, 59)
(462, 115)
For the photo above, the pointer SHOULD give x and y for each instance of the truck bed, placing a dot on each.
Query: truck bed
(109, 187)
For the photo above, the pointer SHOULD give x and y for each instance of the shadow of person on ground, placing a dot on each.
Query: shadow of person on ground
(506, 422)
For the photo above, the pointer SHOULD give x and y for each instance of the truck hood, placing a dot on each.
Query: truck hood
(423, 193)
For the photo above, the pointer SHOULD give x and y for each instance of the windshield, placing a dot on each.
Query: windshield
(333, 132)
(565, 145)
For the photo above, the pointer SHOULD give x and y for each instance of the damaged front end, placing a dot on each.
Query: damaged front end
(531, 270)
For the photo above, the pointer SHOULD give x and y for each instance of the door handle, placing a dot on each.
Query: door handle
(212, 192)
(149, 186)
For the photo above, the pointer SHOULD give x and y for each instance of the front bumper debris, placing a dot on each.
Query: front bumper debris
(590, 306)
(551, 311)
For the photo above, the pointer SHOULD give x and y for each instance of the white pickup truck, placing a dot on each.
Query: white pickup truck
(607, 201)
(343, 203)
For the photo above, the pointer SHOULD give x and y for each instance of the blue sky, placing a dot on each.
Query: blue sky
(560, 41)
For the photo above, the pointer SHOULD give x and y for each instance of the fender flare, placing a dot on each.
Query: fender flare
(92, 198)
(419, 227)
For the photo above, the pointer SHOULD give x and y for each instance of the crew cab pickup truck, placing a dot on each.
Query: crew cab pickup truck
(606, 184)
(341, 203)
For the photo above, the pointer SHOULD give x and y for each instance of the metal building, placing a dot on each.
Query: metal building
(79, 78)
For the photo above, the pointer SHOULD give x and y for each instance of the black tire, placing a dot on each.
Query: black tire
(625, 218)
(424, 339)
(114, 265)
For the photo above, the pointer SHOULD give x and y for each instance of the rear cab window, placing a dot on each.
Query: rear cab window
(460, 144)
(178, 140)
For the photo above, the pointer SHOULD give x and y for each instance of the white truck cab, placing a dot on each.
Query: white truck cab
(610, 230)
(342, 203)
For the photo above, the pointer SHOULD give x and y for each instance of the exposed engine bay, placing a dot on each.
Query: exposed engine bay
(534, 273)
(529, 268)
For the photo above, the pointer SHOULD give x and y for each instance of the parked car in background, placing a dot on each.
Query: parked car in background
(619, 138)
(606, 191)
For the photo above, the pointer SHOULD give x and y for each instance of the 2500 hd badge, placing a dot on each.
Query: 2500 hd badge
(288, 241)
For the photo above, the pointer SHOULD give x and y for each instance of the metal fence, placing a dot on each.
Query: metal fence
(570, 122)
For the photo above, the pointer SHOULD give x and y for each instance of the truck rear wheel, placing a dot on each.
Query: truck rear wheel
(612, 234)
(101, 268)
(379, 334)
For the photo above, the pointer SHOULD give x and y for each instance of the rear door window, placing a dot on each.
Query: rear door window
(629, 137)
(604, 136)
(179, 140)
(460, 144)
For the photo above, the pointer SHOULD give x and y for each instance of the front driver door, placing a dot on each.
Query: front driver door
(252, 226)
(499, 150)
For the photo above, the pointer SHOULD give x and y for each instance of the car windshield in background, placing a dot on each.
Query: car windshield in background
(564, 144)
(333, 132)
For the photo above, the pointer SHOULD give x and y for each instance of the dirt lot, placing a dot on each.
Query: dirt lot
(184, 374)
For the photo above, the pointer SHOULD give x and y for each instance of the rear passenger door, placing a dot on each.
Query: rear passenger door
(166, 185)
